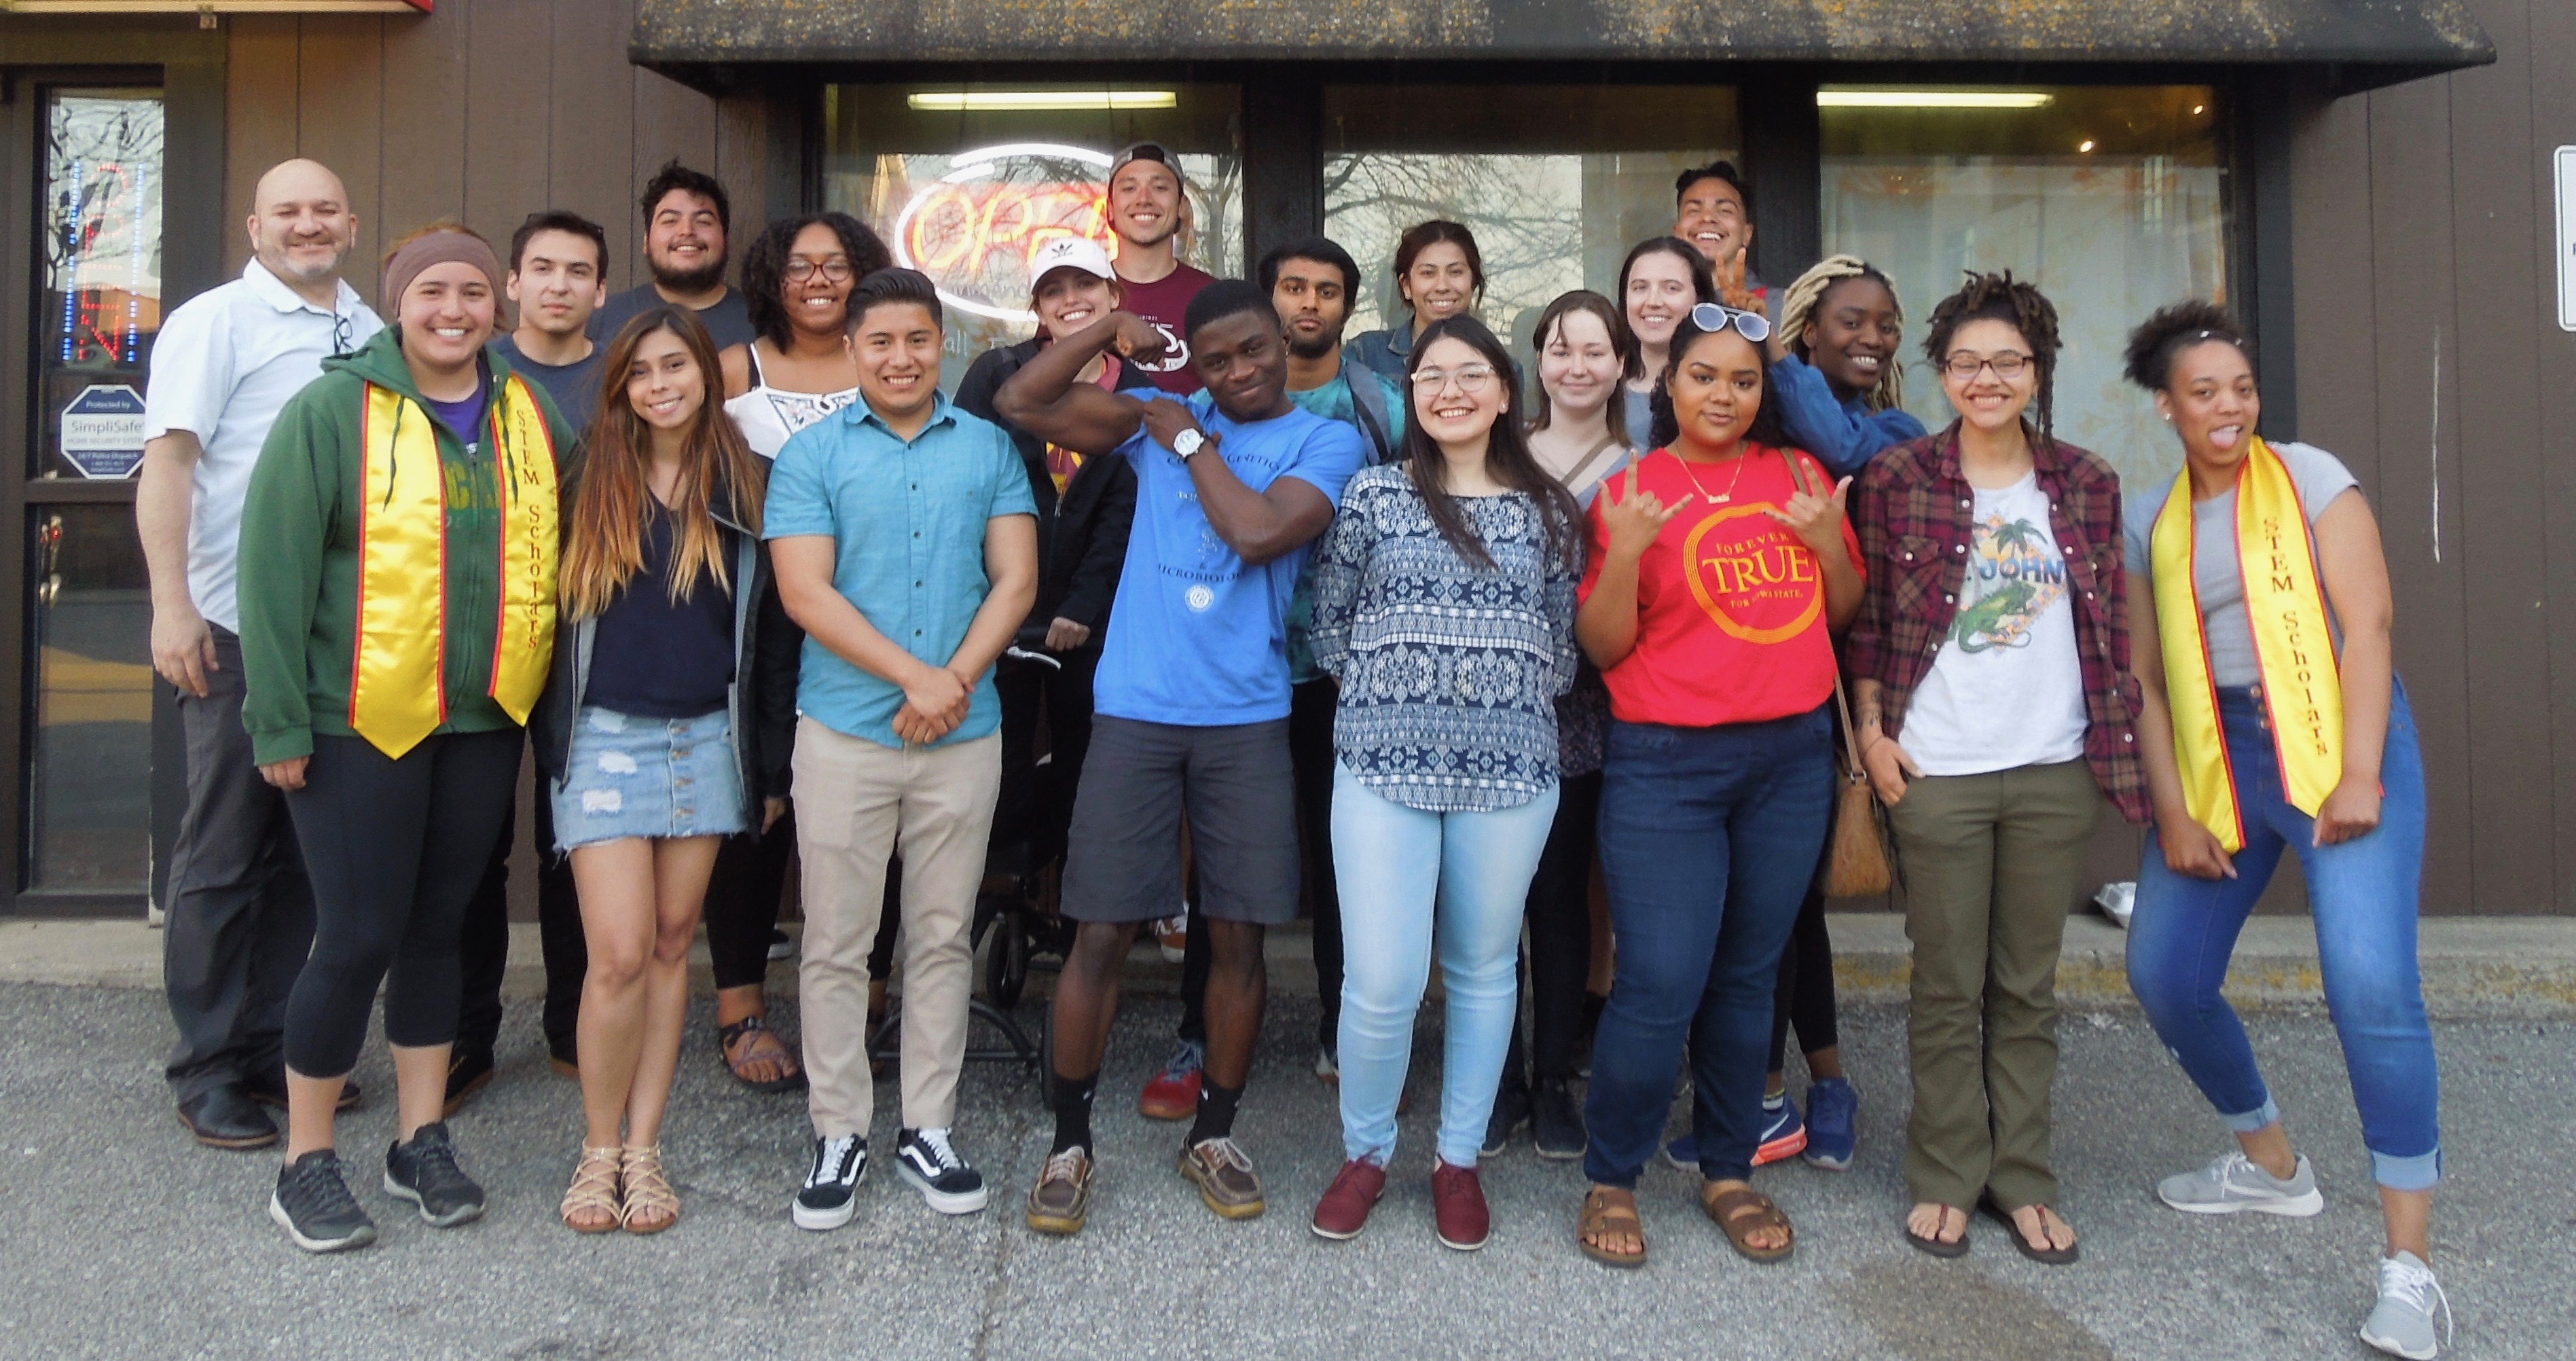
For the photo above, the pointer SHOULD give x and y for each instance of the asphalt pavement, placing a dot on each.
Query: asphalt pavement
(119, 1237)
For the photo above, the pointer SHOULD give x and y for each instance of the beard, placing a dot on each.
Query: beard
(1323, 344)
(697, 280)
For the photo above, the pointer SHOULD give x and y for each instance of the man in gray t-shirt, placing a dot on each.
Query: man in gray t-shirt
(2216, 575)
(688, 219)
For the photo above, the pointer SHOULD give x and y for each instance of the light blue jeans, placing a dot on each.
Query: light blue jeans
(1398, 868)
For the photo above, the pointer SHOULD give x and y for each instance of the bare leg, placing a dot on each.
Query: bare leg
(311, 1105)
(2410, 1222)
(2269, 1148)
(615, 881)
(420, 1087)
(680, 870)
(1086, 996)
(1238, 989)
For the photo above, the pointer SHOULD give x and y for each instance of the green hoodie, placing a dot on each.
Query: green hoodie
(299, 556)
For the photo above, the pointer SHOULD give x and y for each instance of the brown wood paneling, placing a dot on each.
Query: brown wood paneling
(425, 64)
(508, 140)
(2418, 454)
(742, 162)
(259, 117)
(2331, 250)
(2495, 207)
(2553, 109)
(340, 117)
(594, 124)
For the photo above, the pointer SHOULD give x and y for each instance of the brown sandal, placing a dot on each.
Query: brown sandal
(740, 1046)
(1604, 1215)
(651, 1204)
(1740, 1211)
(594, 1187)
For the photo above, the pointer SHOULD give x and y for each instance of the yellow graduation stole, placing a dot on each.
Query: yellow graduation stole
(398, 670)
(2293, 645)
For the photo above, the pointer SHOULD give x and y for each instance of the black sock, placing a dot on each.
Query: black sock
(1073, 1112)
(1216, 1111)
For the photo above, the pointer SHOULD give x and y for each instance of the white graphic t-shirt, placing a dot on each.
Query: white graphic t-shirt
(2007, 689)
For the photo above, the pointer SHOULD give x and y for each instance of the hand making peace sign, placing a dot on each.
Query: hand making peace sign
(1636, 517)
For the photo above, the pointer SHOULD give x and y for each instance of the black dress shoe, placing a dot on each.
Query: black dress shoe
(226, 1117)
(468, 1071)
(271, 1091)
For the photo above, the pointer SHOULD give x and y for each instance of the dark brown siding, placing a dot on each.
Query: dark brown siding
(2430, 360)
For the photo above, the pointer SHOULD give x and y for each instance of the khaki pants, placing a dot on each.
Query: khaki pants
(1991, 865)
(857, 803)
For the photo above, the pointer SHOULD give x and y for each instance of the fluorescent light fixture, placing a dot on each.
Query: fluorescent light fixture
(1933, 99)
(1011, 101)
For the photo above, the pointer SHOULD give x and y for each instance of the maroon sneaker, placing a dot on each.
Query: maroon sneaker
(1173, 1094)
(1344, 1210)
(1457, 1206)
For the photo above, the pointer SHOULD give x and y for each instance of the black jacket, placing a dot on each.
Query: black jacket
(761, 702)
(1082, 538)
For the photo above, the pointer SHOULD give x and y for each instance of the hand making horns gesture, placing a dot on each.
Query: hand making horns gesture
(1816, 519)
(1636, 517)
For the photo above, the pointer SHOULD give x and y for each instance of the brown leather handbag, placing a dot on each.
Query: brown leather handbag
(1857, 862)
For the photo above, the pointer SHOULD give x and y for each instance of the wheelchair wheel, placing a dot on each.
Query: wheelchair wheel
(1006, 961)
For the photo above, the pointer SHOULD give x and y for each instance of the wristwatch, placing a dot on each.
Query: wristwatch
(1188, 442)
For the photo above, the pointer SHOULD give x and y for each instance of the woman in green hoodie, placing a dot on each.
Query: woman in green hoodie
(398, 615)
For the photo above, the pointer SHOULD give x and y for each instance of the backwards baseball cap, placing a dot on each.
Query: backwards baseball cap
(1070, 252)
(1150, 151)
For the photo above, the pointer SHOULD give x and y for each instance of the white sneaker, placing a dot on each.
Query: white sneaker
(2117, 901)
(2234, 1183)
(926, 1159)
(1172, 935)
(2402, 1322)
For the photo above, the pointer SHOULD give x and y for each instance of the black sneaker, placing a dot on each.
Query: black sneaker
(1556, 1120)
(315, 1208)
(468, 1071)
(830, 1193)
(1511, 1111)
(425, 1173)
(781, 945)
(924, 1158)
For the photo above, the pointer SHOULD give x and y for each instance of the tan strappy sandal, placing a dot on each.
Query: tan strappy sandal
(594, 1188)
(651, 1204)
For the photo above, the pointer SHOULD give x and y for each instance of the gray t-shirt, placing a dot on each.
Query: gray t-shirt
(728, 322)
(575, 386)
(2320, 477)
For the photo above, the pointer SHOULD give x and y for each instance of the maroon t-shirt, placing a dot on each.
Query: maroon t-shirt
(1166, 302)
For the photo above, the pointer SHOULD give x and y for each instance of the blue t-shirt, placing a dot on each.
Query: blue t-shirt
(1198, 638)
(907, 523)
(465, 417)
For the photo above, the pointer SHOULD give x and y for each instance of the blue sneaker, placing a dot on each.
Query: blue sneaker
(1784, 1135)
(1833, 1111)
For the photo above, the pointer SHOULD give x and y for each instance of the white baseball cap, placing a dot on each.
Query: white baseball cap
(1070, 252)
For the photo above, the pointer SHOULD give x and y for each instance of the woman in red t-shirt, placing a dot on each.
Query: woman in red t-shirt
(1721, 567)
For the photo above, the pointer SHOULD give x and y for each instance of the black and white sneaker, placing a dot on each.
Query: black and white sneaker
(924, 1158)
(830, 1194)
(315, 1208)
(425, 1173)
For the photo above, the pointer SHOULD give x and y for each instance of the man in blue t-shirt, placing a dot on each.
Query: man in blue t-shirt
(1232, 484)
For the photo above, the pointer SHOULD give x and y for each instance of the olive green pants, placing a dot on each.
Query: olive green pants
(1990, 863)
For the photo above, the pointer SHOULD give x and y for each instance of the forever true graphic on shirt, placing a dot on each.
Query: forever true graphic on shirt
(1752, 575)
(2014, 575)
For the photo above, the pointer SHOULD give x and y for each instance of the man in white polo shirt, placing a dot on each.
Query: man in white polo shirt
(240, 914)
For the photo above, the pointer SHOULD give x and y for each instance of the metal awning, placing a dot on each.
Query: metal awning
(2396, 39)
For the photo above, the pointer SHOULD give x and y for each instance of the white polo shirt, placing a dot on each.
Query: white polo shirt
(222, 368)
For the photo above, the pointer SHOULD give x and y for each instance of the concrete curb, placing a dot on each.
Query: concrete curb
(2473, 966)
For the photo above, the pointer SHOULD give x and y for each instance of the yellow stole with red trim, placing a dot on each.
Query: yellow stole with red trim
(398, 670)
(2293, 645)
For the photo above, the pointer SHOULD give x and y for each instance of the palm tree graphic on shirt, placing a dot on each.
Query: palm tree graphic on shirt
(2014, 575)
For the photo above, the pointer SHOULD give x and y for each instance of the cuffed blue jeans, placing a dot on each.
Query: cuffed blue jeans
(2363, 896)
(1399, 868)
(1709, 838)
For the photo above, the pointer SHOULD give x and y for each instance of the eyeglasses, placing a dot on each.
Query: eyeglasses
(2007, 364)
(1715, 317)
(1471, 379)
(836, 269)
(344, 334)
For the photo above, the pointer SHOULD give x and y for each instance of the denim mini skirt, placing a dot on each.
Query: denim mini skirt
(648, 777)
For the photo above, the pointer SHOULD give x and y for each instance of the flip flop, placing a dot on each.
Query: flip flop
(2065, 1256)
(1946, 1251)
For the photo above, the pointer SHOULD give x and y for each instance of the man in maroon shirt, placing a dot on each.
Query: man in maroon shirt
(1148, 206)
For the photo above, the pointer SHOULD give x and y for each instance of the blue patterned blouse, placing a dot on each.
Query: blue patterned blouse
(1449, 672)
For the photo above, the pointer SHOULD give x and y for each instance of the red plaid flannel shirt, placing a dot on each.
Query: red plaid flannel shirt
(1914, 513)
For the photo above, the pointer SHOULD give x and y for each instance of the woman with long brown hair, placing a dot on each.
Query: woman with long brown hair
(646, 733)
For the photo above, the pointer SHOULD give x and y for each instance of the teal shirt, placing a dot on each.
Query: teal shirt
(906, 519)
(1334, 402)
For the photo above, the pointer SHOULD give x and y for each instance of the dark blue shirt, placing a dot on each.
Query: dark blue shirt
(651, 658)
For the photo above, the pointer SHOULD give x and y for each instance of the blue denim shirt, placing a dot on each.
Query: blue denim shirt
(1389, 351)
(1843, 435)
(906, 519)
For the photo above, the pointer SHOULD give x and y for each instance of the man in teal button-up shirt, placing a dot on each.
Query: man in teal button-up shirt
(905, 543)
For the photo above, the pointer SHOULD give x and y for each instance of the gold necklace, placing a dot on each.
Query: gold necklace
(1703, 490)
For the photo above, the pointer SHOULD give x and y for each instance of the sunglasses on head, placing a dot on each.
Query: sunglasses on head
(1714, 317)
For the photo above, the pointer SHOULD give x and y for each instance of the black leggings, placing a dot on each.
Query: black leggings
(394, 849)
(1805, 995)
(1557, 961)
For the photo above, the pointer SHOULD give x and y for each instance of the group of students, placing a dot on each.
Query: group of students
(1332, 625)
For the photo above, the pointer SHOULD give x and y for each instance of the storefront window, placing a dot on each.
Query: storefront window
(2112, 199)
(89, 753)
(966, 182)
(1556, 181)
(101, 301)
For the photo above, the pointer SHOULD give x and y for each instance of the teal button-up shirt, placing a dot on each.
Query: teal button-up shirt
(906, 519)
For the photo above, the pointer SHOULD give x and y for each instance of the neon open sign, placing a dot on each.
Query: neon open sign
(974, 229)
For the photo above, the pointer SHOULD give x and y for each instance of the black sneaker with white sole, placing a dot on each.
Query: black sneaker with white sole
(425, 1173)
(315, 1208)
(925, 1159)
(830, 1194)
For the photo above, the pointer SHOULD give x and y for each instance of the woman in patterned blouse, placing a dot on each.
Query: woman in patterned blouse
(1444, 604)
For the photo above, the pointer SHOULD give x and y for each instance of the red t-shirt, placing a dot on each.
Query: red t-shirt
(1731, 621)
(1166, 302)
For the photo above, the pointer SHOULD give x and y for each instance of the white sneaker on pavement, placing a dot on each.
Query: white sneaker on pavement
(2233, 1183)
(2402, 1322)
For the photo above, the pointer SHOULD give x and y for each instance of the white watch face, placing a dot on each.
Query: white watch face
(1187, 442)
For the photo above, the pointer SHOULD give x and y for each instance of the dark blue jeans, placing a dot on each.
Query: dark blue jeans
(1709, 838)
